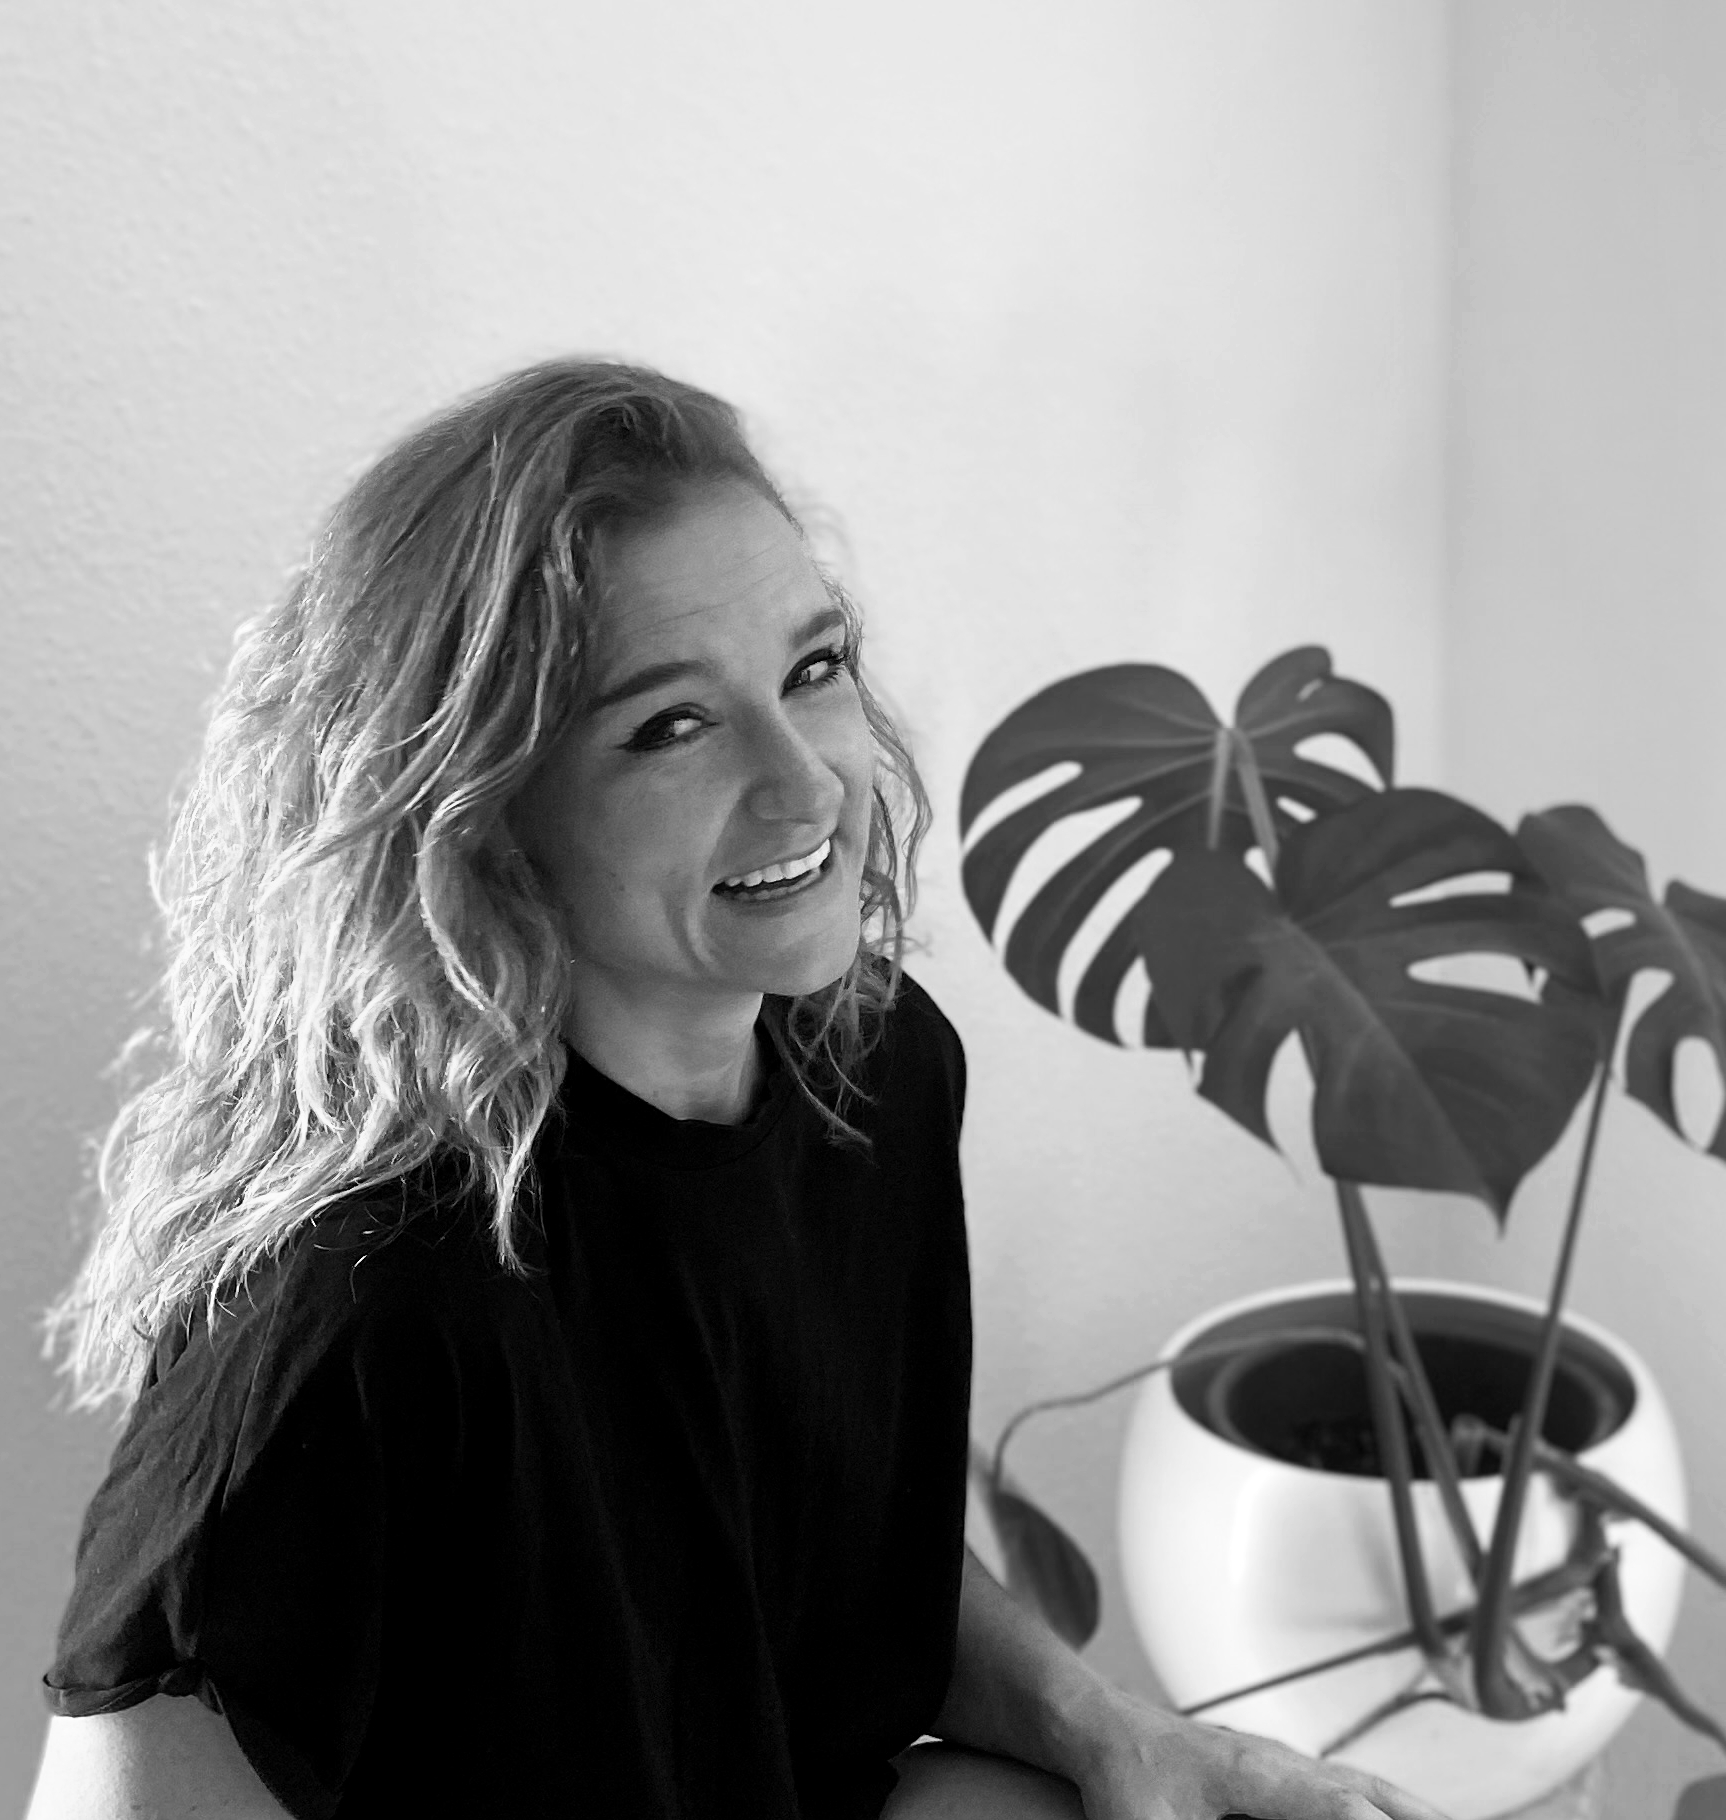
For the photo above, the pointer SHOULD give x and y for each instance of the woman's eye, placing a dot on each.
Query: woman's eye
(675, 725)
(663, 730)
(827, 665)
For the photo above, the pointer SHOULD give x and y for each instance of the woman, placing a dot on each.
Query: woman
(536, 1273)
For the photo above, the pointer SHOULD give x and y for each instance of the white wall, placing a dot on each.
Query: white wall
(1113, 331)
(1586, 634)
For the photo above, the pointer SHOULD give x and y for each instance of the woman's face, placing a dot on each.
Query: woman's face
(720, 735)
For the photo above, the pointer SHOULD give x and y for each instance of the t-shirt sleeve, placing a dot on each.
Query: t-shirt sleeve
(932, 1037)
(270, 1488)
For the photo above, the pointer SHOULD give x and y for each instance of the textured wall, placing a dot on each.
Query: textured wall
(1109, 332)
(1586, 631)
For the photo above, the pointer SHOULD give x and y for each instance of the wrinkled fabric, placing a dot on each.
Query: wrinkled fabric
(671, 1527)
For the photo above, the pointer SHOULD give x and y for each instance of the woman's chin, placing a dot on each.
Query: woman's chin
(815, 967)
(801, 982)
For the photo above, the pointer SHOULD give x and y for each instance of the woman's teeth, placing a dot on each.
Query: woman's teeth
(778, 874)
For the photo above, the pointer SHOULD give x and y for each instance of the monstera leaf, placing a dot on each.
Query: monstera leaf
(1145, 734)
(1683, 934)
(1046, 1570)
(1417, 1083)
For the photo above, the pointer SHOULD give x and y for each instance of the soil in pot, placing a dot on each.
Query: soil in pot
(1305, 1401)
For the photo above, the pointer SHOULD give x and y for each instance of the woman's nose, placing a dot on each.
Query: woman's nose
(790, 780)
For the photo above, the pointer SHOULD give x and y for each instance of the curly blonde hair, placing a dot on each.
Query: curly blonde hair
(359, 980)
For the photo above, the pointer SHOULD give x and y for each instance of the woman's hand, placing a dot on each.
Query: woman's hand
(1018, 1691)
(1145, 1764)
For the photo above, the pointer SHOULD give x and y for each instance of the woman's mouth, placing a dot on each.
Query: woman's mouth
(786, 878)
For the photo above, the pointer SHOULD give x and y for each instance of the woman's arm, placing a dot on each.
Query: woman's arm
(167, 1757)
(1018, 1691)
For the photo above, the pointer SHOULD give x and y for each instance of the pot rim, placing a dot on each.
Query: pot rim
(1194, 1330)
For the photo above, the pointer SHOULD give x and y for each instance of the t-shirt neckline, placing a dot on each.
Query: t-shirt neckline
(606, 1113)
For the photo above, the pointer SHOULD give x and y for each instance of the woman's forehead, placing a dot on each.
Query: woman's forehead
(724, 564)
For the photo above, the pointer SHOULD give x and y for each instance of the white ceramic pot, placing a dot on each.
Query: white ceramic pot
(1239, 1566)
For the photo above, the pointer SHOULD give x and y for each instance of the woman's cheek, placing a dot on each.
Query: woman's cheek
(853, 748)
(666, 827)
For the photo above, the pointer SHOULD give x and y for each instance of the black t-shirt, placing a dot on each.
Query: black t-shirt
(672, 1528)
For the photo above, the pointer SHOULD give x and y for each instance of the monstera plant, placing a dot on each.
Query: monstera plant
(1296, 898)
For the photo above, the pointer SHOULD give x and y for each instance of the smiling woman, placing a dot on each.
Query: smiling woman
(533, 1271)
(539, 888)
(704, 821)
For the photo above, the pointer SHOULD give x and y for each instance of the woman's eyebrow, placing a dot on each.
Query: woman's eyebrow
(651, 676)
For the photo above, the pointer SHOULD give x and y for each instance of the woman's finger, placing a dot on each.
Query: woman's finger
(1285, 1786)
(1386, 1797)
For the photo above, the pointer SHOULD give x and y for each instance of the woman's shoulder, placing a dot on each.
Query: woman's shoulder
(424, 1237)
(348, 1383)
(397, 1278)
(914, 1003)
(921, 1048)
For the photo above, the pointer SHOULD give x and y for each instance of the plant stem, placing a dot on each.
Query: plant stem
(1416, 1390)
(1388, 1424)
(1589, 1486)
(1258, 804)
(1218, 798)
(1500, 1697)
(1530, 1595)
(1429, 1423)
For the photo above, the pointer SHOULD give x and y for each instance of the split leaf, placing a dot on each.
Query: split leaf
(1419, 1083)
(1682, 934)
(1047, 1571)
(1143, 734)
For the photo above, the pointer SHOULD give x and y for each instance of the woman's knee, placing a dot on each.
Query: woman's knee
(948, 1782)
